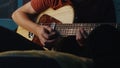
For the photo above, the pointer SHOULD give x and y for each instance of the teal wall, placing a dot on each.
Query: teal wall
(117, 7)
(8, 22)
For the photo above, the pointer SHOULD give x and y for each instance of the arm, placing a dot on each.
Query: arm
(21, 17)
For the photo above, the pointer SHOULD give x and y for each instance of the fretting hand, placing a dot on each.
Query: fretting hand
(81, 35)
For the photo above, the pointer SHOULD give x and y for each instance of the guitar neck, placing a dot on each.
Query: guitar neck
(71, 29)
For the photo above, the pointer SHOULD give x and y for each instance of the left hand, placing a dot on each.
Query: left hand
(81, 35)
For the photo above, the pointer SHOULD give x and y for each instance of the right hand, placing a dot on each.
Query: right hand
(44, 33)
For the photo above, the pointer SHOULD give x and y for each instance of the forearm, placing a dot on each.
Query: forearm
(23, 20)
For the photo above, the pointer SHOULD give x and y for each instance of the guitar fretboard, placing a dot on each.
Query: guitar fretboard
(71, 29)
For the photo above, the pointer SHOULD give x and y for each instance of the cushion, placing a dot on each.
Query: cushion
(42, 59)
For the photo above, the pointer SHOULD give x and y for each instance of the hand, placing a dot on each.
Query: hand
(81, 35)
(45, 34)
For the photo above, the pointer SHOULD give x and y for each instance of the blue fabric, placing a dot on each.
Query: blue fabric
(8, 23)
(117, 10)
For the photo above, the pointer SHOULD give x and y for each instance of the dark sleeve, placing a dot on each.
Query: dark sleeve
(108, 11)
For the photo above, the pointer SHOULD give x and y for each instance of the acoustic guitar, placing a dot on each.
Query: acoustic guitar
(60, 20)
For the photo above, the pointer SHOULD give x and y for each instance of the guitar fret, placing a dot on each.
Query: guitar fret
(71, 29)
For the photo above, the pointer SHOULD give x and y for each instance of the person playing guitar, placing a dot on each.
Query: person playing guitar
(70, 11)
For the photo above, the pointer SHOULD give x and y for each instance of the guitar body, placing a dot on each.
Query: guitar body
(63, 15)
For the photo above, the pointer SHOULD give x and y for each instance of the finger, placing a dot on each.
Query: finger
(42, 40)
(50, 41)
(52, 35)
(43, 43)
(80, 38)
(84, 34)
(44, 35)
(49, 30)
(78, 34)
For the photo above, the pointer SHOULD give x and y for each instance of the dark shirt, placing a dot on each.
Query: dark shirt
(94, 11)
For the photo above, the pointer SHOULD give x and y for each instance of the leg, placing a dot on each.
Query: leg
(10, 40)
